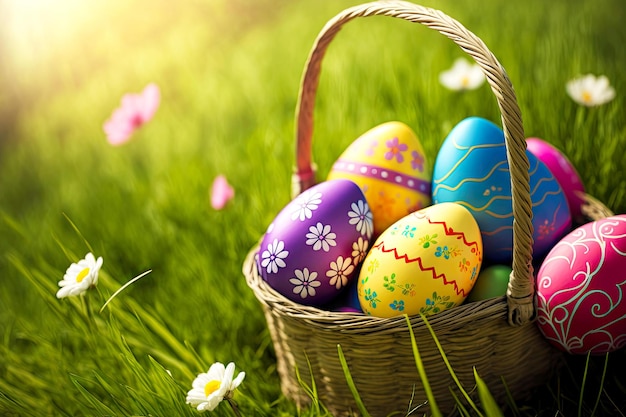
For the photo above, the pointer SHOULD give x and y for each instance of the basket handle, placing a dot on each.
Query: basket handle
(521, 288)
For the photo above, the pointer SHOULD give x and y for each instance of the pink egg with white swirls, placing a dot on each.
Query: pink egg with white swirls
(580, 289)
(312, 250)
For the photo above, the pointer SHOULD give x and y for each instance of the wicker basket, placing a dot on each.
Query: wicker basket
(495, 336)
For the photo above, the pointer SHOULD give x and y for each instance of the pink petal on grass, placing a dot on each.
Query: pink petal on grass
(221, 192)
(148, 102)
(134, 111)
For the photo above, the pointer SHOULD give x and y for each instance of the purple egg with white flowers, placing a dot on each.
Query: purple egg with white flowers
(311, 251)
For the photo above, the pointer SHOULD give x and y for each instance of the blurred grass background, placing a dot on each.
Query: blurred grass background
(229, 73)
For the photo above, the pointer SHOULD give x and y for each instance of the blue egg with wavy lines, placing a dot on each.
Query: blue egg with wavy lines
(471, 169)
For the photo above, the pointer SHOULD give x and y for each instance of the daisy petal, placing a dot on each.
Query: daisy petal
(589, 90)
(80, 276)
(211, 388)
(462, 76)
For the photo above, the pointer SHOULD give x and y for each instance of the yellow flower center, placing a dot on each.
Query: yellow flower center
(587, 97)
(211, 387)
(82, 274)
(465, 81)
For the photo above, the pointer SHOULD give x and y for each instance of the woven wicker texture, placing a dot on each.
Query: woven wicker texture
(496, 336)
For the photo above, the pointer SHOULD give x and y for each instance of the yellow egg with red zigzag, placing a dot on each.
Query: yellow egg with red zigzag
(424, 263)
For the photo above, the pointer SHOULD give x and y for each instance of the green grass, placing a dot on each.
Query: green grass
(229, 75)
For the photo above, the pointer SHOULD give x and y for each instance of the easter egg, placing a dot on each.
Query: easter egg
(471, 169)
(580, 289)
(425, 263)
(492, 281)
(389, 165)
(312, 249)
(563, 171)
(347, 301)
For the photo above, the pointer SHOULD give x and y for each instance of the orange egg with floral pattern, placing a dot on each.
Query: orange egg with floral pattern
(424, 263)
(389, 164)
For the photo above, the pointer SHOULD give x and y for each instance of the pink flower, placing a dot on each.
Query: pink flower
(395, 150)
(221, 192)
(135, 110)
(418, 161)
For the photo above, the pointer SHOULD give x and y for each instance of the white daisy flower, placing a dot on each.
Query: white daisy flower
(321, 237)
(590, 90)
(305, 204)
(339, 272)
(462, 76)
(273, 257)
(361, 216)
(80, 276)
(209, 389)
(305, 282)
(359, 250)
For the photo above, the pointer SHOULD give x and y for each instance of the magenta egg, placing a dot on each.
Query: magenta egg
(580, 289)
(312, 250)
(564, 172)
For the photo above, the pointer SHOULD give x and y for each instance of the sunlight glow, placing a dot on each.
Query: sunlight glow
(36, 28)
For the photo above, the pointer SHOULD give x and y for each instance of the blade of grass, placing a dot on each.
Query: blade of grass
(449, 366)
(68, 254)
(310, 390)
(77, 230)
(160, 329)
(95, 402)
(510, 400)
(617, 408)
(163, 356)
(18, 398)
(199, 360)
(13, 224)
(459, 404)
(412, 409)
(486, 399)
(422, 372)
(582, 387)
(138, 277)
(350, 381)
(601, 389)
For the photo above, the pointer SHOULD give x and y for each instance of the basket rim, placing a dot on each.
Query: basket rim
(359, 323)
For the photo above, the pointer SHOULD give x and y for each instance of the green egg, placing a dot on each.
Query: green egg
(491, 282)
